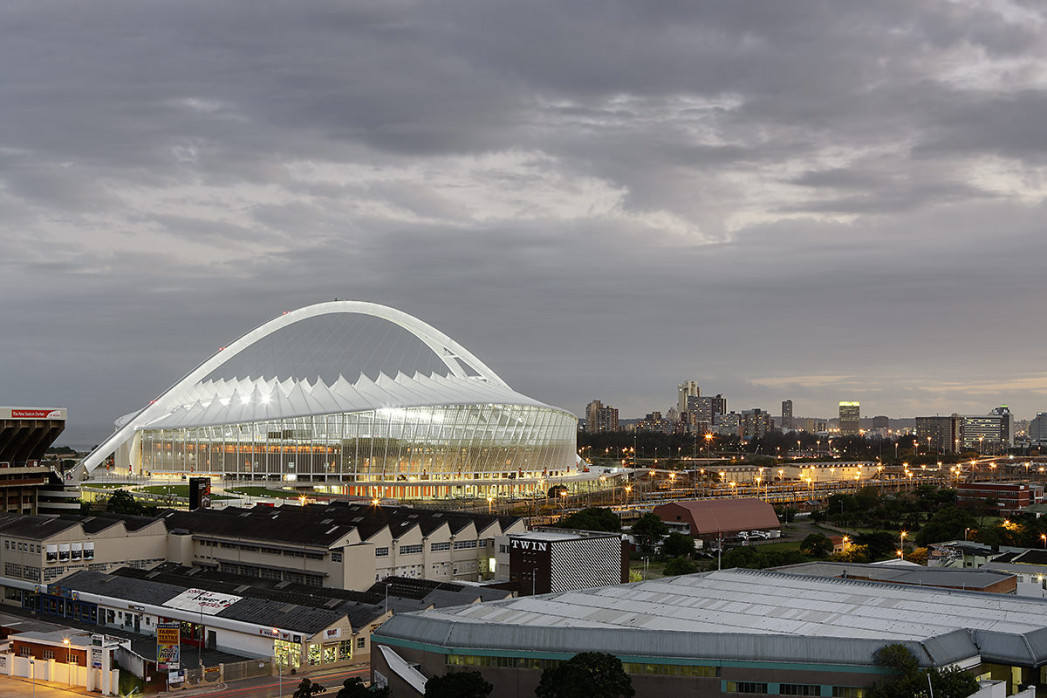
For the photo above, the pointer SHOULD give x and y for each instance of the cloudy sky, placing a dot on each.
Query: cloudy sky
(810, 200)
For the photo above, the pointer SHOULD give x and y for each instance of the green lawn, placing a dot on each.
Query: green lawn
(109, 485)
(782, 546)
(255, 491)
(176, 491)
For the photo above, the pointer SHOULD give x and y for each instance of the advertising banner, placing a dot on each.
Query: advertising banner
(168, 644)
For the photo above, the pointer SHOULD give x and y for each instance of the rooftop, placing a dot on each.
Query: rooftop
(759, 614)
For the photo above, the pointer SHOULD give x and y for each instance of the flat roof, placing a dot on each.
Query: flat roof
(760, 614)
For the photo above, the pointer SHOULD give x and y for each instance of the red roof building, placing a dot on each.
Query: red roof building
(711, 518)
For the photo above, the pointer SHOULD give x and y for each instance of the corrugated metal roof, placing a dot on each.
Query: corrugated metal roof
(721, 515)
(748, 613)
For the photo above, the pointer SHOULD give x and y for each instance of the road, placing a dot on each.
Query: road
(262, 687)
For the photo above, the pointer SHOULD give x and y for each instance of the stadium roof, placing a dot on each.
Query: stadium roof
(342, 356)
(747, 614)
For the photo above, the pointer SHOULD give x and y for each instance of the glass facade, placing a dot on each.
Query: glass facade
(383, 445)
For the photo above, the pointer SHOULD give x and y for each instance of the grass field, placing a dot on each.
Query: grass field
(251, 491)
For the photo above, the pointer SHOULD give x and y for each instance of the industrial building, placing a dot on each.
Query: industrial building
(722, 633)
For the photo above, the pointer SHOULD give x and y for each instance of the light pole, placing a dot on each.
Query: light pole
(901, 545)
(32, 673)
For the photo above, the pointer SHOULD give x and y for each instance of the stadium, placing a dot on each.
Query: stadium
(351, 398)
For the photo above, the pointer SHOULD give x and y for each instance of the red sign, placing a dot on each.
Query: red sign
(36, 414)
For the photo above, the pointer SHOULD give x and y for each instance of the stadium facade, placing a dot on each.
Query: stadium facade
(352, 398)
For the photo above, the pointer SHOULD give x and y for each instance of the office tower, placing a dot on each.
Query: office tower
(685, 390)
(987, 433)
(850, 418)
(787, 415)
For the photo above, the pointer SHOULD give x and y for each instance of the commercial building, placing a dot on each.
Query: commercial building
(939, 434)
(850, 418)
(1002, 498)
(553, 560)
(600, 417)
(988, 433)
(353, 397)
(722, 633)
(343, 546)
(787, 415)
(25, 434)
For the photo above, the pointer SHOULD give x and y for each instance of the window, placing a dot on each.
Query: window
(48, 654)
(23, 651)
(464, 544)
(435, 547)
(410, 549)
(799, 689)
(848, 692)
(746, 687)
(381, 552)
(361, 643)
(336, 557)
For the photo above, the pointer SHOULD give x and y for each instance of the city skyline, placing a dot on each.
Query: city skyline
(780, 201)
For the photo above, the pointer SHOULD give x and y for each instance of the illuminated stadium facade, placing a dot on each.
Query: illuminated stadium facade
(351, 398)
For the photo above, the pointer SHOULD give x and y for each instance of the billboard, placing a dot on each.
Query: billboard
(199, 493)
(168, 645)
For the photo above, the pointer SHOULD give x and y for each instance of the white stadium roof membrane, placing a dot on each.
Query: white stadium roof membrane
(340, 356)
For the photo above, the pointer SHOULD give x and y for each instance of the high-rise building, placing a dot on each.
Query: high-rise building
(787, 415)
(881, 422)
(940, 434)
(685, 390)
(987, 433)
(599, 417)
(755, 423)
(850, 418)
(705, 408)
(1038, 429)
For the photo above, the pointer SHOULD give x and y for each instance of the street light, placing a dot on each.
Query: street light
(901, 544)
(32, 673)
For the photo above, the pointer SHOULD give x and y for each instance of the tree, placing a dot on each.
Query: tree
(680, 565)
(356, 688)
(123, 502)
(948, 523)
(907, 679)
(586, 675)
(648, 530)
(677, 544)
(881, 544)
(817, 545)
(458, 684)
(592, 519)
(307, 688)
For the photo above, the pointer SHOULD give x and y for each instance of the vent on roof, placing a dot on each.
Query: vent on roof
(327, 521)
(333, 603)
(412, 516)
(437, 514)
(153, 575)
(288, 608)
(246, 513)
(193, 571)
(241, 589)
(282, 585)
(358, 519)
(332, 530)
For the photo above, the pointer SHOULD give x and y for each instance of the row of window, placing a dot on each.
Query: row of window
(263, 549)
(793, 689)
(435, 547)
